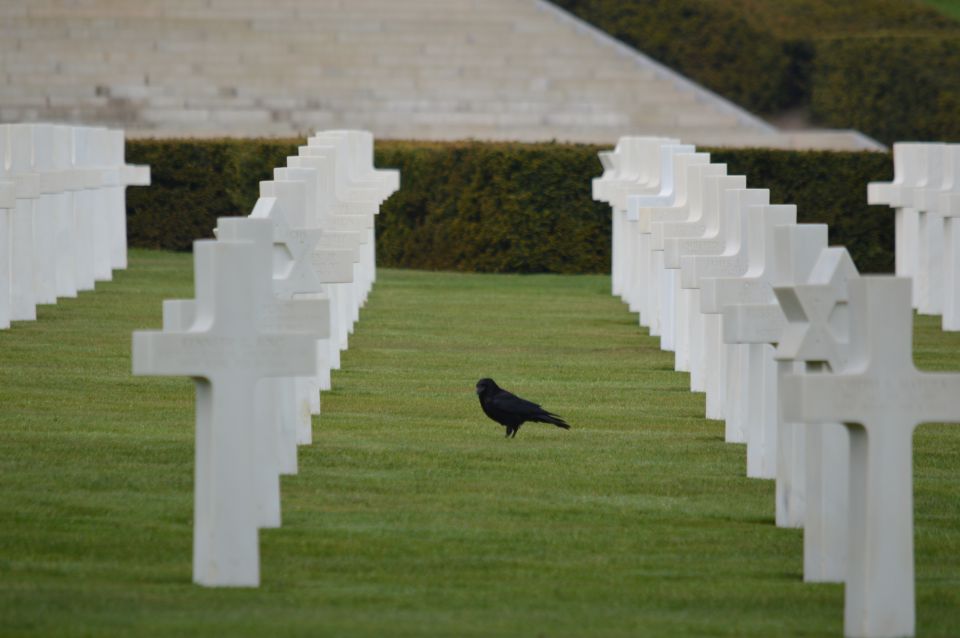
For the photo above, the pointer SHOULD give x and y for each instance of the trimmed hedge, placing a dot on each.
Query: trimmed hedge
(894, 87)
(193, 182)
(854, 62)
(498, 207)
(492, 207)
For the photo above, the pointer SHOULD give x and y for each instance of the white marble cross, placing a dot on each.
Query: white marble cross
(343, 206)
(632, 279)
(732, 262)
(44, 213)
(639, 242)
(818, 335)
(645, 156)
(898, 194)
(656, 210)
(947, 206)
(385, 181)
(8, 203)
(928, 282)
(288, 414)
(600, 186)
(65, 225)
(664, 223)
(706, 237)
(92, 156)
(82, 211)
(881, 397)
(626, 170)
(23, 293)
(758, 369)
(228, 353)
(794, 252)
(114, 150)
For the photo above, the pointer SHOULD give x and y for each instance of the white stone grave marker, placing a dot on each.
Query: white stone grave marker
(356, 203)
(626, 170)
(881, 397)
(757, 369)
(103, 178)
(127, 175)
(733, 262)
(794, 251)
(646, 154)
(85, 202)
(898, 194)
(44, 213)
(386, 181)
(793, 262)
(318, 163)
(351, 197)
(348, 231)
(724, 245)
(691, 226)
(23, 294)
(685, 209)
(818, 334)
(227, 353)
(304, 172)
(947, 205)
(65, 226)
(8, 202)
(707, 236)
(286, 415)
(303, 270)
(928, 281)
(650, 212)
(639, 242)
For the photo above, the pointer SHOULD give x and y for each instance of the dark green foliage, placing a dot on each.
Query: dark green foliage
(894, 87)
(193, 183)
(713, 43)
(492, 207)
(889, 68)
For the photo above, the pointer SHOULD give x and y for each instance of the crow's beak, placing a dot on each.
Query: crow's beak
(479, 390)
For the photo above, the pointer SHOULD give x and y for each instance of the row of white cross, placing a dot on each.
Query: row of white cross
(277, 294)
(926, 195)
(63, 210)
(807, 362)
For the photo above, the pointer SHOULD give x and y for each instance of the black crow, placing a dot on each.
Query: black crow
(510, 410)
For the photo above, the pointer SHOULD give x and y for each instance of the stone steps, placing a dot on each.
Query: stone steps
(401, 68)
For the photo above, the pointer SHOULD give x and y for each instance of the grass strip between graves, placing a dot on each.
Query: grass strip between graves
(411, 514)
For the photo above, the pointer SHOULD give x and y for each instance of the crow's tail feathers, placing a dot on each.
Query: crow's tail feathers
(549, 417)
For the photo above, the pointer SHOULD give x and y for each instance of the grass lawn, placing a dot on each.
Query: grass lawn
(412, 515)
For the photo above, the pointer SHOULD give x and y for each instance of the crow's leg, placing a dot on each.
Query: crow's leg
(514, 435)
(508, 434)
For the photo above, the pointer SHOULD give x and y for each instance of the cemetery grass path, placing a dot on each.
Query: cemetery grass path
(411, 514)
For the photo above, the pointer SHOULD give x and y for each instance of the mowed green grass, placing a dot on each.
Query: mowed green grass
(411, 514)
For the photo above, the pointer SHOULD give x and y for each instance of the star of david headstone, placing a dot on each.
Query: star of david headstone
(818, 337)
